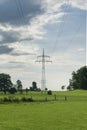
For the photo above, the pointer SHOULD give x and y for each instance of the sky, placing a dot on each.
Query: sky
(28, 26)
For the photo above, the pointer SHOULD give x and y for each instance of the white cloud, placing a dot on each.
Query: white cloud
(4, 59)
(81, 50)
(79, 4)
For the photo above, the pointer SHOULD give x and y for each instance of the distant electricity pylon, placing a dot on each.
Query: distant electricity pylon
(43, 59)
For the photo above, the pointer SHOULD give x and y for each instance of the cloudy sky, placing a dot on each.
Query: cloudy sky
(28, 26)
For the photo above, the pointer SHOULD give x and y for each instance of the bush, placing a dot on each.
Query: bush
(49, 92)
(7, 99)
(30, 100)
(16, 100)
(27, 99)
(12, 90)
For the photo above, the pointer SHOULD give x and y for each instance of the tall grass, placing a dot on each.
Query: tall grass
(43, 96)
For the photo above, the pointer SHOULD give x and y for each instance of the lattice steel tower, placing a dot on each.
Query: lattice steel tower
(43, 59)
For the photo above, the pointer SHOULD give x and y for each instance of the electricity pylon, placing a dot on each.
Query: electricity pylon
(43, 59)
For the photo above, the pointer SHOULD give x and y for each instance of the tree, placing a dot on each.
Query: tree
(34, 85)
(12, 90)
(49, 92)
(5, 82)
(46, 89)
(79, 79)
(63, 87)
(26, 90)
(19, 85)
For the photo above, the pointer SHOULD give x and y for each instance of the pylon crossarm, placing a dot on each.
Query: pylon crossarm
(38, 61)
(48, 61)
(39, 56)
(44, 56)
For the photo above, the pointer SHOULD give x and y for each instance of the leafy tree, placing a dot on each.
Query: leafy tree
(63, 87)
(38, 89)
(31, 89)
(19, 85)
(26, 90)
(49, 92)
(34, 85)
(15, 86)
(79, 79)
(46, 89)
(12, 90)
(5, 82)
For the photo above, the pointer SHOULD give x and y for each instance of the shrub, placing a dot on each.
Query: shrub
(27, 99)
(30, 100)
(12, 90)
(7, 99)
(16, 100)
(49, 92)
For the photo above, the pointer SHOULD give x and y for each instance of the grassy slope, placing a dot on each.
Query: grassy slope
(72, 93)
(41, 95)
(45, 116)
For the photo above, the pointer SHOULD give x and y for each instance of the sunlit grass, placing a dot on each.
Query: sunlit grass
(59, 115)
(44, 116)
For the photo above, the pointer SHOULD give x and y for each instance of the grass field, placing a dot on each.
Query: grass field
(59, 115)
(42, 96)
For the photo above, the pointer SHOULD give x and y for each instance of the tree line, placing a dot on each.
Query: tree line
(78, 81)
(6, 85)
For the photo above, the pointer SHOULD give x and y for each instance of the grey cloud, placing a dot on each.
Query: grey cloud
(9, 36)
(12, 66)
(12, 36)
(16, 65)
(19, 12)
(5, 49)
(20, 54)
(16, 62)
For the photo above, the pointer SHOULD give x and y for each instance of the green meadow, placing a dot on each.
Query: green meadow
(49, 115)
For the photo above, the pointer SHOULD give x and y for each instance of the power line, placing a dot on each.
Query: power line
(61, 27)
(77, 29)
(43, 59)
(20, 10)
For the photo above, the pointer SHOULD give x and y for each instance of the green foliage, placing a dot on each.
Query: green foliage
(24, 99)
(26, 90)
(13, 90)
(63, 87)
(5, 99)
(79, 79)
(5, 82)
(34, 87)
(19, 85)
(49, 92)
